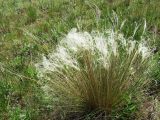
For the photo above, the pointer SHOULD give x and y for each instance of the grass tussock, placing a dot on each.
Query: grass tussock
(95, 71)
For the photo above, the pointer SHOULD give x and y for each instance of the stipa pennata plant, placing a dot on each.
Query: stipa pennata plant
(95, 70)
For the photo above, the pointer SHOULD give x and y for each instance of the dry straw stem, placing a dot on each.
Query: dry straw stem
(95, 69)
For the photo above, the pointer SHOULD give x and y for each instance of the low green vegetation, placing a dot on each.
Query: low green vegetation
(31, 29)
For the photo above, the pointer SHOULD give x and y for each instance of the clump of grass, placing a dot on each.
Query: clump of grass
(31, 14)
(95, 70)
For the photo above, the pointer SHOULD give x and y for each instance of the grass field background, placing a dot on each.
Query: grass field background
(30, 28)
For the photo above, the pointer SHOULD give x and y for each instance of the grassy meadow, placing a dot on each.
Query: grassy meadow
(30, 29)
